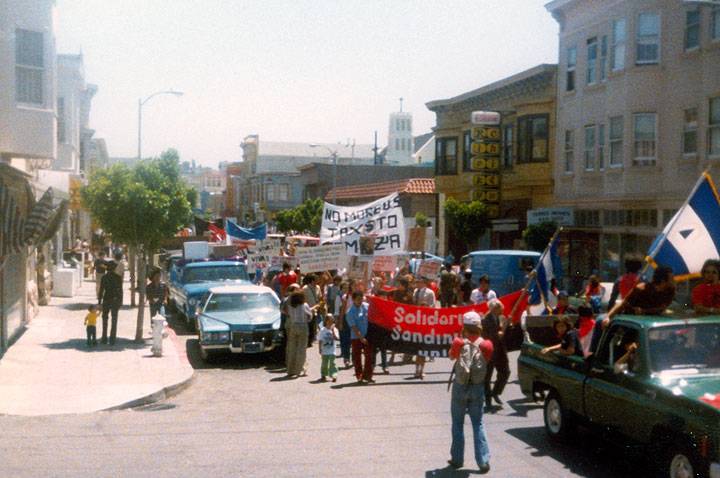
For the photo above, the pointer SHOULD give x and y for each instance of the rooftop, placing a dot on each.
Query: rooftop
(304, 150)
(378, 190)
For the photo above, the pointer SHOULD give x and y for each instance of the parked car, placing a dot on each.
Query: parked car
(667, 398)
(507, 269)
(190, 281)
(239, 319)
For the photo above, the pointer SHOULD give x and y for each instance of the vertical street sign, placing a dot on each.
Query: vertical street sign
(485, 160)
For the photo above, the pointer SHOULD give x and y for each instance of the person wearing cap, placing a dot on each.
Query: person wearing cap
(483, 293)
(563, 305)
(468, 398)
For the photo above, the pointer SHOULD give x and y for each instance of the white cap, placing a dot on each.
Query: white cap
(472, 318)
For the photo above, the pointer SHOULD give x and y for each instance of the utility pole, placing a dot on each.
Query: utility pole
(375, 151)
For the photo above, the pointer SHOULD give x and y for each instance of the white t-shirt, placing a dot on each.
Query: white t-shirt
(327, 341)
(424, 297)
(478, 297)
(299, 315)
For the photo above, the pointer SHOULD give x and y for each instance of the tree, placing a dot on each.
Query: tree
(468, 220)
(421, 220)
(140, 207)
(537, 236)
(305, 218)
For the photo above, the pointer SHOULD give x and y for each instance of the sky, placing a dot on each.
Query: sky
(289, 70)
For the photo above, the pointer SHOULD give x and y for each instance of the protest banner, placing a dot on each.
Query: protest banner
(384, 264)
(321, 258)
(425, 331)
(381, 221)
(429, 269)
(276, 262)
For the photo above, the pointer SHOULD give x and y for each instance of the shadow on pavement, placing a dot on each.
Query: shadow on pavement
(383, 384)
(81, 345)
(521, 406)
(585, 454)
(448, 472)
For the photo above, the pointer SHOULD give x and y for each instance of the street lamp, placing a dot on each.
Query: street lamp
(334, 156)
(141, 102)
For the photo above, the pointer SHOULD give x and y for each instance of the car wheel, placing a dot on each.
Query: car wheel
(189, 322)
(557, 421)
(681, 462)
(206, 355)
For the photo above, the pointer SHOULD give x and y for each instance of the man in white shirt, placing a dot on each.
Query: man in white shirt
(483, 293)
(423, 295)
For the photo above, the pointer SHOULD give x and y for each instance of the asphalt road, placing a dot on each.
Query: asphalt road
(240, 417)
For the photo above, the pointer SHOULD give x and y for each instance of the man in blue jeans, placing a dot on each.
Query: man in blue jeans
(471, 354)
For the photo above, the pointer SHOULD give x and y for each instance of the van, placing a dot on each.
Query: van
(507, 269)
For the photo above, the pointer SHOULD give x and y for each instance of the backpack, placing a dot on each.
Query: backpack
(470, 367)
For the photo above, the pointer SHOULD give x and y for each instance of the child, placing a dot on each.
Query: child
(90, 322)
(326, 344)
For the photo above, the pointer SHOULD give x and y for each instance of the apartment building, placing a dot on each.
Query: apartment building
(638, 120)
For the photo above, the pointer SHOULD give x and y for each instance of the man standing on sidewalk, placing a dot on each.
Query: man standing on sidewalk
(110, 297)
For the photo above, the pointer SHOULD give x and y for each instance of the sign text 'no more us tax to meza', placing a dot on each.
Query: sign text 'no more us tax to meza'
(375, 228)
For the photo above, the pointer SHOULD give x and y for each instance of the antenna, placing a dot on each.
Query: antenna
(401, 102)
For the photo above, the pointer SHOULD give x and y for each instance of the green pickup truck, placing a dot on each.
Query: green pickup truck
(664, 395)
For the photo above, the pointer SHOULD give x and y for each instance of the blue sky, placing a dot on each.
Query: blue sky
(289, 70)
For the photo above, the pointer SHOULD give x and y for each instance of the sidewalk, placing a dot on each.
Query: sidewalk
(50, 370)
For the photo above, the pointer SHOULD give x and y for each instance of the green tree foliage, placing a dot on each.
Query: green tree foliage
(468, 220)
(305, 218)
(421, 220)
(537, 236)
(140, 206)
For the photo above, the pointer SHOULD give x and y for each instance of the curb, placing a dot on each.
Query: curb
(162, 394)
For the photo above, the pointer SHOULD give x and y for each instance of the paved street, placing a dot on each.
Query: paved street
(241, 418)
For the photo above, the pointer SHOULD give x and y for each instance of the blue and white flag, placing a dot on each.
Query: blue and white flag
(237, 233)
(693, 235)
(549, 267)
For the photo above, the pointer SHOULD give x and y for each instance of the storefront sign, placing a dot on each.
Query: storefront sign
(485, 117)
(562, 216)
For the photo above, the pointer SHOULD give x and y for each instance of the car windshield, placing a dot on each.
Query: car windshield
(229, 302)
(212, 274)
(695, 346)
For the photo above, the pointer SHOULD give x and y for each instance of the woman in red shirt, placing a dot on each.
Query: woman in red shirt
(706, 296)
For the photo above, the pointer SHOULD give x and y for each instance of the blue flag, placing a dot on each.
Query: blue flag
(549, 267)
(237, 233)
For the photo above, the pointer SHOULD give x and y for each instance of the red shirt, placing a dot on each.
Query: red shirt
(486, 347)
(285, 280)
(434, 287)
(627, 282)
(707, 295)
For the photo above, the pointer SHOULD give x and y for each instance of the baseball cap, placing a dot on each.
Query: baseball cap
(562, 294)
(472, 318)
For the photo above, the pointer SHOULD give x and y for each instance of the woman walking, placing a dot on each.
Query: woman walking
(299, 315)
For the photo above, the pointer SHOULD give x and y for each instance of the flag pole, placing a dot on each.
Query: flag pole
(533, 274)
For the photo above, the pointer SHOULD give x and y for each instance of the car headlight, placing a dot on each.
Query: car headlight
(223, 337)
(216, 337)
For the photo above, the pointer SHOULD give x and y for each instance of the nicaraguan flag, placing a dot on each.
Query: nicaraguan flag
(693, 235)
(549, 267)
(237, 233)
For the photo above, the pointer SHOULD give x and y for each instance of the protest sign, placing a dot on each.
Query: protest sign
(357, 269)
(321, 258)
(259, 254)
(425, 331)
(384, 264)
(381, 221)
(276, 262)
(429, 269)
(416, 239)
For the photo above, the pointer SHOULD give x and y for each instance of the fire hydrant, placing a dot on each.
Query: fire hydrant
(158, 322)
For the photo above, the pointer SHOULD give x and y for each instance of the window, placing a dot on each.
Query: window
(715, 27)
(29, 66)
(589, 148)
(618, 45)
(592, 54)
(616, 141)
(397, 144)
(601, 146)
(569, 150)
(467, 151)
(714, 127)
(648, 39)
(282, 192)
(692, 29)
(571, 63)
(446, 156)
(689, 140)
(645, 133)
(270, 192)
(532, 139)
(603, 57)
(507, 146)
(61, 120)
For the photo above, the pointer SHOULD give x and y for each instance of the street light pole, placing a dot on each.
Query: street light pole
(141, 102)
(334, 156)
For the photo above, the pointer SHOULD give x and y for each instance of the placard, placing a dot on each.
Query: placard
(321, 258)
(385, 264)
(276, 262)
(429, 269)
(416, 239)
(382, 221)
(357, 269)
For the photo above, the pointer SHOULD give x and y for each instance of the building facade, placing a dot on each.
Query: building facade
(516, 173)
(400, 146)
(638, 120)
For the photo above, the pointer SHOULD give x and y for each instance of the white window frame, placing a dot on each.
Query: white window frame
(569, 151)
(591, 49)
(26, 81)
(696, 25)
(590, 149)
(603, 58)
(713, 129)
(283, 192)
(600, 139)
(645, 160)
(690, 128)
(644, 40)
(619, 46)
(571, 68)
(617, 142)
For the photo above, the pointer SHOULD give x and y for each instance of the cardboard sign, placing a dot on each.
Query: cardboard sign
(416, 239)
(357, 227)
(358, 270)
(429, 269)
(276, 262)
(196, 250)
(384, 264)
(321, 258)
